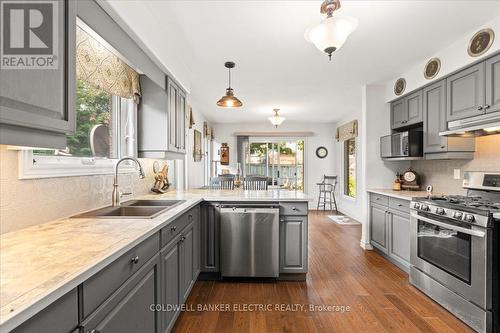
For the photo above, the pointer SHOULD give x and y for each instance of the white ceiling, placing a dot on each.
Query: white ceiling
(276, 67)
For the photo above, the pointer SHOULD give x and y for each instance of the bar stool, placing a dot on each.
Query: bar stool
(255, 183)
(327, 193)
(222, 183)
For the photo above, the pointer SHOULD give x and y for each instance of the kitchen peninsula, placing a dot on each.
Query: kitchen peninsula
(94, 261)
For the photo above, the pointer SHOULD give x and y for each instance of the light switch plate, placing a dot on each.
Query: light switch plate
(456, 173)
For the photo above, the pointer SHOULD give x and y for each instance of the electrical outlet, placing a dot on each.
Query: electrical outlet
(456, 174)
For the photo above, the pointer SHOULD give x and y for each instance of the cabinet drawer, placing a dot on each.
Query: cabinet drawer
(400, 204)
(293, 208)
(379, 199)
(175, 227)
(100, 286)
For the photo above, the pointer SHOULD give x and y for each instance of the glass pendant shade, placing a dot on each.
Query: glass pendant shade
(331, 33)
(276, 120)
(229, 100)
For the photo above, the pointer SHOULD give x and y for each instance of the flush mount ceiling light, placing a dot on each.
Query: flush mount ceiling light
(229, 100)
(276, 120)
(332, 32)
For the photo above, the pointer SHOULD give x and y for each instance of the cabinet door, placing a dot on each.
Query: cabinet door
(435, 117)
(129, 309)
(378, 227)
(493, 84)
(196, 244)
(170, 284)
(400, 236)
(465, 93)
(186, 262)
(398, 114)
(413, 106)
(39, 104)
(210, 231)
(293, 244)
(172, 92)
(181, 122)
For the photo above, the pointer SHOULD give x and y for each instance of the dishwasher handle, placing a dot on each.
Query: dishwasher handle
(249, 210)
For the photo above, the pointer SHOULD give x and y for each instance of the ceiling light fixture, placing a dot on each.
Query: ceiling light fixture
(276, 120)
(332, 32)
(229, 100)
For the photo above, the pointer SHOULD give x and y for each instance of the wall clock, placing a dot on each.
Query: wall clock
(432, 68)
(399, 86)
(481, 42)
(321, 152)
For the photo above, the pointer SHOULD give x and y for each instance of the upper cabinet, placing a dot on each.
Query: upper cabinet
(492, 73)
(161, 119)
(407, 111)
(465, 93)
(37, 101)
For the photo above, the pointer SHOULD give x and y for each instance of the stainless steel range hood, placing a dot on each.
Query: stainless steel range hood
(486, 124)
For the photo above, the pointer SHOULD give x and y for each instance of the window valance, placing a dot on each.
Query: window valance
(100, 67)
(347, 131)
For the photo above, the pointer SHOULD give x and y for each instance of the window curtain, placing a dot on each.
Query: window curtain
(347, 131)
(98, 66)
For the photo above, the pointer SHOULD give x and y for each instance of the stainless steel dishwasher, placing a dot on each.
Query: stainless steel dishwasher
(249, 241)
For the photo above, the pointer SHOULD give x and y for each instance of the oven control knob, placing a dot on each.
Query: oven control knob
(440, 211)
(416, 205)
(470, 218)
(424, 208)
(458, 215)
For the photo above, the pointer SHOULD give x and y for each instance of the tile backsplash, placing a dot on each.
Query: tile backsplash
(439, 173)
(28, 202)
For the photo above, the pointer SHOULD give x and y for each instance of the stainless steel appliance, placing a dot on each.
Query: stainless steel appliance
(486, 124)
(454, 250)
(249, 241)
(400, 145)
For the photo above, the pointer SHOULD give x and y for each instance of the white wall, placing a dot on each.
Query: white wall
(453, 57)
(315, 168)
(195, 171)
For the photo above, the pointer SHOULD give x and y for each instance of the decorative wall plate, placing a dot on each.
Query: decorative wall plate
(432, 68)
(321, 152)
(399, 86)
(481, 42)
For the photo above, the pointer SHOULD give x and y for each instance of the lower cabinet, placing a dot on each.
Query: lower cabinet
(293, 244)
(129, 308)
(210, 232)
(390, 229)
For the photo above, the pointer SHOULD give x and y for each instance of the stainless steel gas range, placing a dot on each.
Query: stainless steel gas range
(455, 250)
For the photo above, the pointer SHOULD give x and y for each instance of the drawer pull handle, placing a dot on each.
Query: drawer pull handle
(294, 208)
(486, 106)
(479, 108)
(183, 239)
(190, 216)
(400, 205)
(377, 198)
(135, 260)
(95, 331)
(173, 228)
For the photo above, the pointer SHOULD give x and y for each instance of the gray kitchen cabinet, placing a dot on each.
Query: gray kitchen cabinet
(129, 308)
(59, 317)
(465, 93)
(407, 111)
(397, 113)
(378, 227)
(492, 73)
(196, 244)
(37, 106)
(434, 109)
(210, 232)
(186, 253)
(170, 284)
(399, 225)
(181, 123)
(176, 117)
(293, 244)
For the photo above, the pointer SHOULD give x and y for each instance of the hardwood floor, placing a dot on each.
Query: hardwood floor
(340, 273)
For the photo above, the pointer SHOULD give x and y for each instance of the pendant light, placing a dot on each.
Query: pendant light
(332, 32)
(229, 100)
(276, 120)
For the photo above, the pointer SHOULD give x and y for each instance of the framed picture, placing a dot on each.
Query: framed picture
(197, 153)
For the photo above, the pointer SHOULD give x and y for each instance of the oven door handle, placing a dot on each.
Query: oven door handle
(449, 226)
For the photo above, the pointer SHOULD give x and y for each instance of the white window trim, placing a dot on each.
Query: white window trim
(344, 178)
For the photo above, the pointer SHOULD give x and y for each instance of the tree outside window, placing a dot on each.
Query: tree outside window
(350, 167)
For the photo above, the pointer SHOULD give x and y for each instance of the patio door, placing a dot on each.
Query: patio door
(281, 161)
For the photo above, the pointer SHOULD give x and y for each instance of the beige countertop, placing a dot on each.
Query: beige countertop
(405, 195)
(41, 263)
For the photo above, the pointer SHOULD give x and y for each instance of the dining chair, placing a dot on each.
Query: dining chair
(227, 176)
(222, 183)
(327, 193)
(255, 183)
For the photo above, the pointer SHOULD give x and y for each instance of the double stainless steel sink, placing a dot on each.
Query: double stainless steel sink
(133, 209)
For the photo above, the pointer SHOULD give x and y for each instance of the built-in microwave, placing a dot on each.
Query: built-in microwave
(402, 144)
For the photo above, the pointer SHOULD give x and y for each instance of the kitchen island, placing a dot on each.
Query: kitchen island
(51, 265)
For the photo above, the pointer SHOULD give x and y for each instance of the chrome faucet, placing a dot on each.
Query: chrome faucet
(115, 199)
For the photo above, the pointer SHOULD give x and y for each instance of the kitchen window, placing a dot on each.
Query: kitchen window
(350, 167)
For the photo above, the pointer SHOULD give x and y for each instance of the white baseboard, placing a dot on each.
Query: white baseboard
(365, 245)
